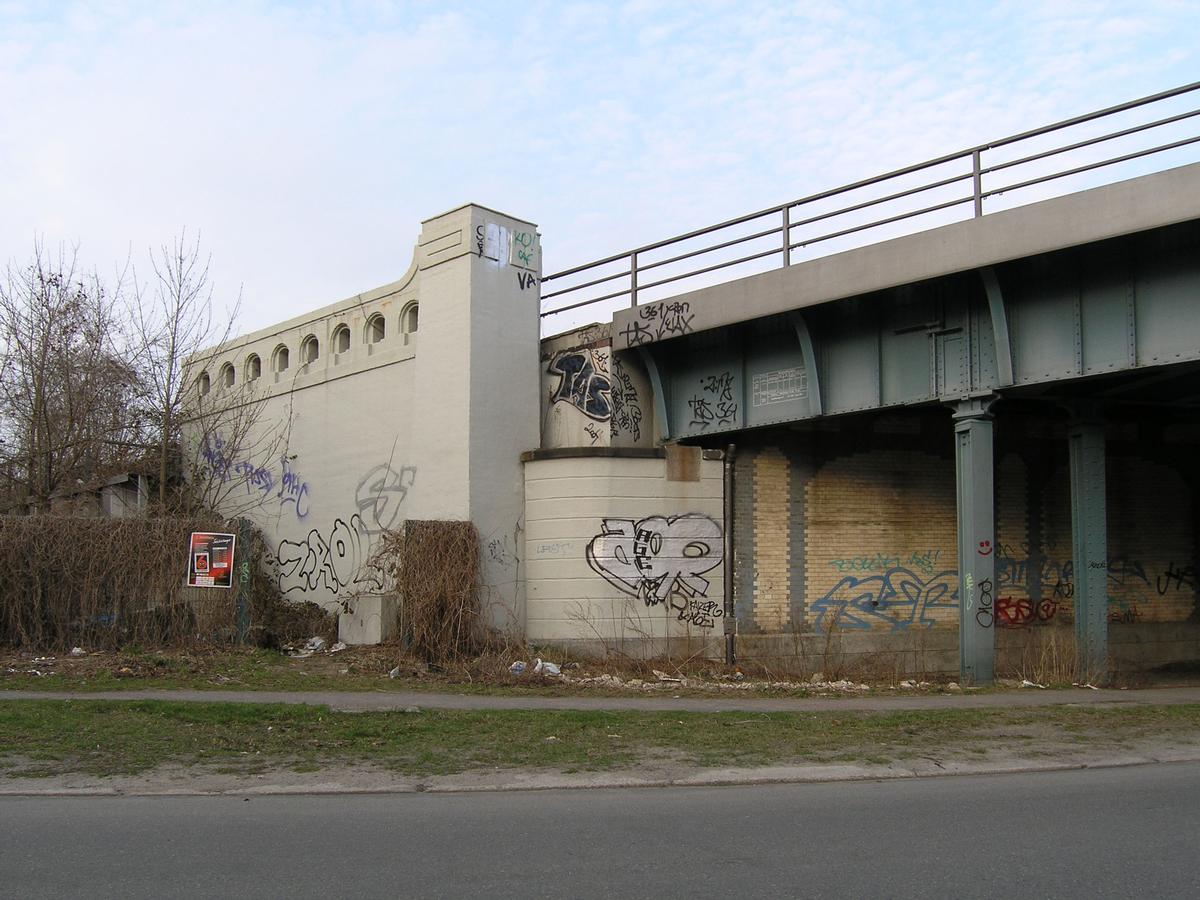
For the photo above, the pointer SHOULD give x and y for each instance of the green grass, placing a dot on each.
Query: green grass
(54, 737)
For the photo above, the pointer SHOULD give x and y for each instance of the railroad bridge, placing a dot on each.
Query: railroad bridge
(978, 438)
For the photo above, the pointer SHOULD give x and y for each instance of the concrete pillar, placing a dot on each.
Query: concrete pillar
(976, 539)
(476, 400)
(1089, 542)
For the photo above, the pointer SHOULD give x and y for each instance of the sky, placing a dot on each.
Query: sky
(305, 142)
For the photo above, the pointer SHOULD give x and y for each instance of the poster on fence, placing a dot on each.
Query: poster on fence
(210, 560)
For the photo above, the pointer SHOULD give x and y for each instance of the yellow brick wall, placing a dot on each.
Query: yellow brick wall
(881, 524)
(879, 543)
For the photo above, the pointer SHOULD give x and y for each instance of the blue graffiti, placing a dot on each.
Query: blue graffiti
(256, 477)
(218, 458)
(897, 599)
(293, 489)
(583, 382)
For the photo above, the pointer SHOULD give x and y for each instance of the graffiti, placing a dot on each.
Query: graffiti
(1013, 612)
(526, 280)
(225, 467)
(554, 548)
(1121, 569)
(697, 612)
(985, 548)
(331, 563)
(1123, 613)
(1033, 573)
(293, 489)
(592, 431)
(379, 495)
(924, 562)
(1176, 579)
(664, 320)
(718, 409)
(501, 552)
(899, 599)
(583, 382)
(659, 559)
(523, 248)
(479, 240)
(219, 459)
(636, 334)
(626, 405)
(984, 615)
(675, 319)
(257, 478)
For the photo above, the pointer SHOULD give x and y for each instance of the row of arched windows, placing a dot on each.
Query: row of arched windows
(374, 332)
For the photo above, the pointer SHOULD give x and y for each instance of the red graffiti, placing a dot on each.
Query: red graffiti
(1014, 612)
(985, 548)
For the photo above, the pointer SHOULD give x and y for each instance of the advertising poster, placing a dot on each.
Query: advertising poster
(210, 560)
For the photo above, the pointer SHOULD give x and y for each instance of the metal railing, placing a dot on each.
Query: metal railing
(771, 235)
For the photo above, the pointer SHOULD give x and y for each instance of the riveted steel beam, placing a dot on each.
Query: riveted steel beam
(976, 538)
(1089, 540)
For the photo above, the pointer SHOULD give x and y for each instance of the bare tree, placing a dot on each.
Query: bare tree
(173, 321)
(203, 430)
(68, 392)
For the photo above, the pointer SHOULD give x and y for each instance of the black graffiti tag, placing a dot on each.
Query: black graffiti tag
(582, 382)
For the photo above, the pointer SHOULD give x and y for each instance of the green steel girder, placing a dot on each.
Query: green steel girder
(1128, 303)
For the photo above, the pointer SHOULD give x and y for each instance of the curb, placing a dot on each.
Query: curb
(455, 784)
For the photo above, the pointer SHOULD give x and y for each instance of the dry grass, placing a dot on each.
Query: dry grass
(434, 566)
(101, 582)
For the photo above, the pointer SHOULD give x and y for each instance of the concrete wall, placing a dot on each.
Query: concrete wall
(592, 397)
(624, 553)
(846, 533)
(402, 424)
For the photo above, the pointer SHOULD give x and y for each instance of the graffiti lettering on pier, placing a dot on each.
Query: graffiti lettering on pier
(661, 559)
(332, 562)
(899, 599)
(380, 494)
(583, 382)
(714, 405)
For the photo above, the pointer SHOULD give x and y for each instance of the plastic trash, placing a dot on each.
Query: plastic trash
(395, 673)
(315, 643)
(546, 668)
(77, 651)
(337, 648)
(517, 668)
(1026, 683)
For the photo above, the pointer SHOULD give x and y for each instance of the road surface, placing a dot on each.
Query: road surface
(1126, 832)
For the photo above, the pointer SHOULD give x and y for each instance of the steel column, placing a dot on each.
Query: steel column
(976, 539)
(1089, 542)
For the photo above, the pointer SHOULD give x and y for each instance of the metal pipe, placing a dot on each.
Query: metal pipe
(730, 615)
(977, 181)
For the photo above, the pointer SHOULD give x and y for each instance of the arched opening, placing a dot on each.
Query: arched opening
(376, 329)
(341, 339)
(408, 321)
(310, 350)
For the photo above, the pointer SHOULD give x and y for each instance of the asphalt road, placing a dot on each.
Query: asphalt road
(1127, 832)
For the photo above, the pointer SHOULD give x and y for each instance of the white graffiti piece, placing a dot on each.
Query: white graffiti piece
(331, 564)
(657, 557)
